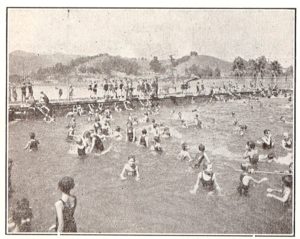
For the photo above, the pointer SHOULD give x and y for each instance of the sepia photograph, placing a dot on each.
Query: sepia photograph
(150, 121)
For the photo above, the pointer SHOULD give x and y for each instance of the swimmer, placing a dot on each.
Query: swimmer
(208, 179)
(201, 157)
(251, 154)
(32, 144)
(130, 132)
(130, 169)
(287, 142)
(285, 191)
(267, 141)
(143, 140)
(71, 133)
(166, 132)
(245, 179)
(184, 154)
(283, 119)
(156, 145)
(117, 134)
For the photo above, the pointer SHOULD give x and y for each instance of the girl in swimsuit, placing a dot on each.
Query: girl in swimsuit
(130, 169)
(208, 179)
(65, 207)
(267, 141)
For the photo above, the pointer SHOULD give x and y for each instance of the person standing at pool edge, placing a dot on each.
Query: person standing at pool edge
(65, 207)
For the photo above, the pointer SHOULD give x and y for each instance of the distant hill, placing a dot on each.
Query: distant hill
(202, 61)
(20, 61)
(41, 67)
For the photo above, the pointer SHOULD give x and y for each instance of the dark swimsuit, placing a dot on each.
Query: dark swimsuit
(34, 145)
(130, 134)
(208, 184)
(99, 147)
(68, 217)
(243, 189)
(143, 141)
(132, 173)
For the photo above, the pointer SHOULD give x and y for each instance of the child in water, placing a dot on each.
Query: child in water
(184, 154)
(208, 179)
(143, 140)
(71, 133)
(130, 169)
(156, 145)
(21, 217)
(201, 157)
(245, 179)
(32, 144)
(117, 134)
(130, 132)
(251, 154)
(287, 142)
(65, 207)
(267, 141)
(285, 191)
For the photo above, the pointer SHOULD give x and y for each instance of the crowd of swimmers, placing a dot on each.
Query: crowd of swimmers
(94, 140)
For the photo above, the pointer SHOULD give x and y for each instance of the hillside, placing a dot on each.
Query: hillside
(41, 67)
(20, 61)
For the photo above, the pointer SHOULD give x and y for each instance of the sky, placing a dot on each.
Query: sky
(221, 33)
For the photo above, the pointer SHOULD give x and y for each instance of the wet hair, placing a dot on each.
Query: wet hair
(153, 121)
(131, 157)
(271, 155)
(184, 146)
(32, 135)
(251, 144)
(201, 147)
(266, 131)
(66, 184)
(287, 180)
(144, 131)
(118, 128)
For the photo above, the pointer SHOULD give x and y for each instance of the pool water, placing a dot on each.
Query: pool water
(160, 202)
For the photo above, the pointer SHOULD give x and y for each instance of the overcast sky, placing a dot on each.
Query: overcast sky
(146, 33)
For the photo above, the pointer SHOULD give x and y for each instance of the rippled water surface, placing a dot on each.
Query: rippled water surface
(160, 202)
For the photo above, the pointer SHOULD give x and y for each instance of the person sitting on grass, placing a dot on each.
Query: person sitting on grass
(143, 140)
(287, 142)
(32, 144)
(184, 154)
(130, 169)
(285, 191)
(245, 179)
(208, 179)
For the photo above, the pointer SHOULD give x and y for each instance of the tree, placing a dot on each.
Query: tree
(289, 71)
(276, 70)
(217, 73)
(262, 65)
(155, 65)
(239, 67)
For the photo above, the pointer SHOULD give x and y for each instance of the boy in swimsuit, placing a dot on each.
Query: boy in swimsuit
(32, 144)
(184, 154)
(201, 157)
(208, 179)
(251, 154)
(267, 141)
(130, 169)
(245, 179)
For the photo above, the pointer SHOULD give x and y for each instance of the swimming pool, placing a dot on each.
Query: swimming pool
(160, 202)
